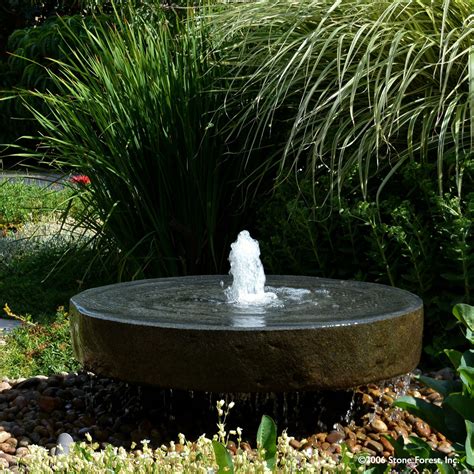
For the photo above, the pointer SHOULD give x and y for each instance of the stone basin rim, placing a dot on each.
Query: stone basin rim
(414, 303)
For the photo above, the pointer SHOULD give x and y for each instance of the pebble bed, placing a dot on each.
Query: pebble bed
(39, 409)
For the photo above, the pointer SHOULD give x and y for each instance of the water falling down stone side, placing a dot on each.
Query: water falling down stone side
(248, 285)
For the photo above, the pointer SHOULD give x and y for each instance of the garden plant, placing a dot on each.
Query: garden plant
(339, 132)
(364, 109)
(162, 187)
(455, 417)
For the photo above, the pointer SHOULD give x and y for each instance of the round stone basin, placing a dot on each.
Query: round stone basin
(182, 333)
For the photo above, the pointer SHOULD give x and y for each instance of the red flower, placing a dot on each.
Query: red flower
(81, 179)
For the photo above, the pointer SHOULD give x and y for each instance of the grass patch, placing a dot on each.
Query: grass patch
(42, 259)
(35, 277)
(35, 348)
(21, 203)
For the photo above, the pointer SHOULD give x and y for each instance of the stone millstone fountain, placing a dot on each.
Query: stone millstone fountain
(207, 333)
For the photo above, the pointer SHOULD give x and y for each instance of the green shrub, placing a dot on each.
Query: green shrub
(34, 349)
(31, 38)
(455, 417)
(31, 50)
(412, 238)
(18, 14)
(135, 114)
(33, 34)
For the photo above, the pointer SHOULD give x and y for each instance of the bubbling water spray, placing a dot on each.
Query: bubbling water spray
(248, 286)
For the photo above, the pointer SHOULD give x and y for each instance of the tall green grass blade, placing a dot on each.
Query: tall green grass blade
(133, 112)
(351, 85)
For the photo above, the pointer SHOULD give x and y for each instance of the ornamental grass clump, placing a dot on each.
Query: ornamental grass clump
(134, 114)
(365, 109)
(343, 87)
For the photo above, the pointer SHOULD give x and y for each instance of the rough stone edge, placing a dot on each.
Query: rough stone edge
(256, 361)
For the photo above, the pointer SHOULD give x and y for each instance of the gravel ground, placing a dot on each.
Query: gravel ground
(39, 409)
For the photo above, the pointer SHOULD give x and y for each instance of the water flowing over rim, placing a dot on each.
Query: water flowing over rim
(100, 303)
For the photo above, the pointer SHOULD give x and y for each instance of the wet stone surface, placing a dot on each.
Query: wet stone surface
(181, 333)
(41, 409)
(200, 303)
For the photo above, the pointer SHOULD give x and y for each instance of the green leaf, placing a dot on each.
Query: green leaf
(466, 370)
(462, 404)
(266, 439)
(420, 448)
(415, 447)
(455, 424)
(444, 468)
(87, 455)
(379, 469)
(465, 314)
(398, 446)
(470, 443)
(467, 377)
(223, 458)
(454, 357)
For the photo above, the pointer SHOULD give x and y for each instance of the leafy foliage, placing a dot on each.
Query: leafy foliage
(416, 448)
(196, 456)
(267, 440)
(32, 51)
(134, 113)
(364, 86)
(36, 349)
(412, 238)
(32, 36)
(223, 458)
(455, 417)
